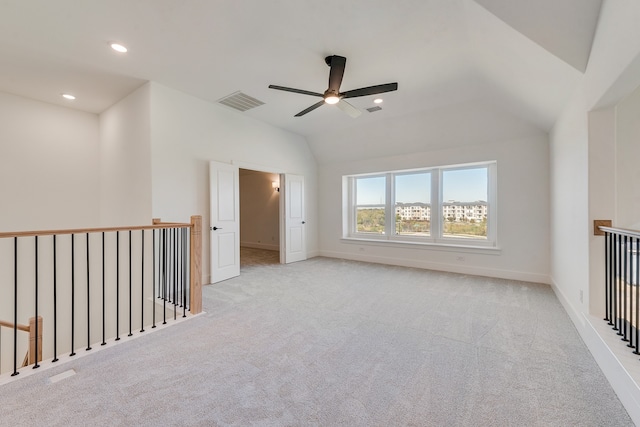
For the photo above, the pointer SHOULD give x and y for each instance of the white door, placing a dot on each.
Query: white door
(225, 221)
(295, 242)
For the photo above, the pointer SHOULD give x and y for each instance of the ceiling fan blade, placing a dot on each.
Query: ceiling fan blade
(313, 107)
(371, 90)
(337, 64)
(348, 108)
(289, 89)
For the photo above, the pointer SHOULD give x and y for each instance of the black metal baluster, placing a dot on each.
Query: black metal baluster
(184, 273)
(35, 356)
(164, 278)
(188, 262)
(73, 293)
(55, 303)
(130, 285)
(153, 287)
(15, 307)
(168, 248)
(618, 284)
(142, 287)
(625, 277)
(175, 273)
(179, 265)
(104, 307)
(88, 300)
(628, 289)
(607, 283)
(612, 264)
(637, 290)
(117, 285)
(161, 264)
(613, 281)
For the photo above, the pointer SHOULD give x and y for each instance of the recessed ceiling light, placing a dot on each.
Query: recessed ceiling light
(68, 96)
(118, 47)
(377, 101)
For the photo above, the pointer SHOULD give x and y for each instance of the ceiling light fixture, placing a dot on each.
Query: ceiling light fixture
(377, 101)
(68, 96)
(332, 99)
(118, 48)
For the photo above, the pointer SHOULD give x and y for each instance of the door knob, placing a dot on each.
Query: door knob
(303, 222)
(216, 228)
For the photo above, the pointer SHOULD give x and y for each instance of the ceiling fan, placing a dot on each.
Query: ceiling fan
(333, 95)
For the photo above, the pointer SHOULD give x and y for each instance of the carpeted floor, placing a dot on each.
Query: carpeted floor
(328, 342)
(251, 257)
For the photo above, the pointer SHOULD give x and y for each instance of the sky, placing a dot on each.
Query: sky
(462, 185)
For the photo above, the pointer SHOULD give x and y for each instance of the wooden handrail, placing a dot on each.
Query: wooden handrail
(10, 325)
(92, 230)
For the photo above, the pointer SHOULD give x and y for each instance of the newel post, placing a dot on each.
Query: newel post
(35, 341)
(195, 304)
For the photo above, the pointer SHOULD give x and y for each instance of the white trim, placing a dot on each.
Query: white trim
(266, 246)
(612, 355)
(415, 244)
(256, 167)
(96, 347)
(452, 268)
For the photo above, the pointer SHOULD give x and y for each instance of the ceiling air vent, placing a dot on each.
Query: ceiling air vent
(374, 109)
(240, 101)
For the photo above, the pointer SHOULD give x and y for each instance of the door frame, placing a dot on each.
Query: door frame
(281, 201)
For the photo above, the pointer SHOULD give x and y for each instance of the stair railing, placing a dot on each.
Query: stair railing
(96, 282)
(622, 279)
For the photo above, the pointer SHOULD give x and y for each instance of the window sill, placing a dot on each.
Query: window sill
(439, 246)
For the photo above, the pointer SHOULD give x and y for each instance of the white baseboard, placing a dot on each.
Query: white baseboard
(453, 268)
(255, 245)
(614, 358)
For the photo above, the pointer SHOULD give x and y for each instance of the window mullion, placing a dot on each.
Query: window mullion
(389, 211)
(436, 204)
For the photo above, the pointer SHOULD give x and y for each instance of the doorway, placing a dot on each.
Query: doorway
(259, 218)
(224, 188)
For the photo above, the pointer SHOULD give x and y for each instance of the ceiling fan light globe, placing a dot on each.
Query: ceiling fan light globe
(332, 99)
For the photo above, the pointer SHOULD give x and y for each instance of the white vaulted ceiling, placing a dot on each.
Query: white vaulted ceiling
(523, 56)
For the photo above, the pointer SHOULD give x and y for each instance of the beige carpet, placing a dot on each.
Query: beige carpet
(337, 343)
(251, 257)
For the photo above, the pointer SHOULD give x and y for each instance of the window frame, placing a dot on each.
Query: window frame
(436, 236)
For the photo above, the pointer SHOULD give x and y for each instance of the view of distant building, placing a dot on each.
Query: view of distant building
(454, 210)
(415, 211)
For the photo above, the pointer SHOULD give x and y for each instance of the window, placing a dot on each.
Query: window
(370, 205)
(413, 204)
(443, 205)
(465, 195)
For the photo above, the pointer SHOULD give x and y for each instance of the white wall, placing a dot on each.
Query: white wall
(581, 185)
(49, 162)
(573, 140)
(627, 157)
(187, 133)
(259, 211)
(49, 156)
(125, 161)
(523, 190)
